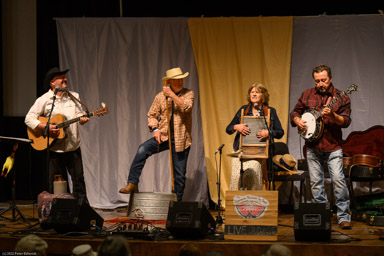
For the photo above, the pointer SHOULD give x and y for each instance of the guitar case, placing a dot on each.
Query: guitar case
(366, 168)
(366, 152)
(371, 218)
(369, 209)
(366, 173)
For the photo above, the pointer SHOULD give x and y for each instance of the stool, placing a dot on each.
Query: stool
(291, 178)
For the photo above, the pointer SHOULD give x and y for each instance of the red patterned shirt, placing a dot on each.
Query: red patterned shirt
(182, 118)
(332, 136)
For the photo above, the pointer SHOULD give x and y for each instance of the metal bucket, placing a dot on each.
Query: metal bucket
(149, 206)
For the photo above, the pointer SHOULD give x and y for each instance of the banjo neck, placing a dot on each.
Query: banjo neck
(334, 100)
(350, 89)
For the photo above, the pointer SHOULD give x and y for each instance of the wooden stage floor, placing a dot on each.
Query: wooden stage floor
(360, 240)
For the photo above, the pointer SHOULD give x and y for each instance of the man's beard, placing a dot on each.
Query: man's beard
(321, 90)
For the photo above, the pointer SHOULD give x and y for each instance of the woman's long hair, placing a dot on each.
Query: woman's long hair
(259, 88)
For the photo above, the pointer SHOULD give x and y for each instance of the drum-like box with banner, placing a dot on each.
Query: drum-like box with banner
(251, 215)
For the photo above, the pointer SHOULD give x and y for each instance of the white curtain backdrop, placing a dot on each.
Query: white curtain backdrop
(120, 61)
(353, 46)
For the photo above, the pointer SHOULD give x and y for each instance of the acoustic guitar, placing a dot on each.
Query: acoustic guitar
(366, 168)
(40, 141)
(367, 160)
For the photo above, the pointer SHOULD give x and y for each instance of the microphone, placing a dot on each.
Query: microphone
(261, 110)
(220, 148)
(59, 89)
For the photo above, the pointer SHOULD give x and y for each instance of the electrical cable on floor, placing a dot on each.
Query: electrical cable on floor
(346, 240)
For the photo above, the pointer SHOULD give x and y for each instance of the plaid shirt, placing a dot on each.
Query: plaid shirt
(332, 136)
(182, 118)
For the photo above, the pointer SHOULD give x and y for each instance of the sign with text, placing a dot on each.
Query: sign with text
(251, 215)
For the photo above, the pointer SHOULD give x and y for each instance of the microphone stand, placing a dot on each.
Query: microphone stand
(271, 147)
(46, 134)
(13, 206)
(219, 219)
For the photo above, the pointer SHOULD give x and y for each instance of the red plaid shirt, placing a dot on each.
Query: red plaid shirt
(332, 136)
(182, 118)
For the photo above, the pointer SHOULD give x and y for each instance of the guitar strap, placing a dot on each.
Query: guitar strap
(81, 103)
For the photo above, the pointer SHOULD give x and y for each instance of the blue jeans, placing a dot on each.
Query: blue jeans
(334, 161)
(151, 147)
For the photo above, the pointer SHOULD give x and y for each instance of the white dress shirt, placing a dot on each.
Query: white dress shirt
(65, 106)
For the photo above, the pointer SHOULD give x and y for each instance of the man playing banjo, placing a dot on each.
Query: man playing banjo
(324, 146)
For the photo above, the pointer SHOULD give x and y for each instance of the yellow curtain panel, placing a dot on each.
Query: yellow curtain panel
(231, 54)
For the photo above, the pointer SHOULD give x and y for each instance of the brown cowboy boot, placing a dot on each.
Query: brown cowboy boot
(129, 188)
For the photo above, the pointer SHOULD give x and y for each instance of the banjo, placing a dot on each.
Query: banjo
(314, 121)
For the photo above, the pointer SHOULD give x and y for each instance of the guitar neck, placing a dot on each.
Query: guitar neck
(74, 120)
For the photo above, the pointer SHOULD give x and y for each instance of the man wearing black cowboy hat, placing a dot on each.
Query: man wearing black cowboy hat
(64, 154)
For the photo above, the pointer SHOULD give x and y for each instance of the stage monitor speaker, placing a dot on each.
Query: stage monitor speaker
(189, 220)
(312, 221)
(73, 215)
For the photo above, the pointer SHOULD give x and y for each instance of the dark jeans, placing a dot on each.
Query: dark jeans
(151, 147)
(60, 163)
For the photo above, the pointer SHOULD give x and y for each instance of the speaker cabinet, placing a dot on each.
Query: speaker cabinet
(70, 215)
(189, 220)
(312, 222)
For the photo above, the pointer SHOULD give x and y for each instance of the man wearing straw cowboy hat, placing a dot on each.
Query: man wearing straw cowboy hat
(179, 106)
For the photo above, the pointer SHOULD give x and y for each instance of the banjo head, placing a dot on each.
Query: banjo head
(311, 125)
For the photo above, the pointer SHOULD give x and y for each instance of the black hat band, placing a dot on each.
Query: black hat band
(285, 165)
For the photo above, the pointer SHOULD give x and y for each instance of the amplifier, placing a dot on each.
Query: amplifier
(312, 221)
(189, 220)
(70, 215)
